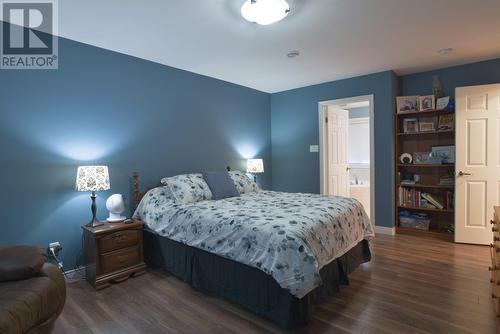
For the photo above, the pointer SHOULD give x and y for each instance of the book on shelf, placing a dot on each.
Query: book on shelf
(410, 198)
(447, 180)
(433, 200)
(417, 199)
(450, 200)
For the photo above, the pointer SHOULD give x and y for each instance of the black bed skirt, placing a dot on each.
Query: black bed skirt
(247, 286)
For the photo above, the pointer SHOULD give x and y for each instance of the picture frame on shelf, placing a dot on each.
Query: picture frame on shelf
(410, 125)
(427, 102)
(421, 158)
(407, 104)
(446, 122)
(427, 124)
(442, 102)
(446, 154)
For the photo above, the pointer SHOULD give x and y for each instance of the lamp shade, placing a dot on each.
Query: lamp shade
(255, 166)
(92, 178)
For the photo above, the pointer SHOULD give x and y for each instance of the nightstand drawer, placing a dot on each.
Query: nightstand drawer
(120, 259)
(118, 240)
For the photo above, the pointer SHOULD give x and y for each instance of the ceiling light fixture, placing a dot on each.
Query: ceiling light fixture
(265, 12)
(292, 54)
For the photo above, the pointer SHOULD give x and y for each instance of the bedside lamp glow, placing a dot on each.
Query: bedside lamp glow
(92, 178)
(255, 166)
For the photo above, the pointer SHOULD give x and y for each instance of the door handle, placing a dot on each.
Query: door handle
(347, 169)
(462, 173)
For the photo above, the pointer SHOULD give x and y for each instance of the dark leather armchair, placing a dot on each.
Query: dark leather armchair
(32, 291)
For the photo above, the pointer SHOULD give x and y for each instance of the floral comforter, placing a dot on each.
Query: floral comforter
(289, 236)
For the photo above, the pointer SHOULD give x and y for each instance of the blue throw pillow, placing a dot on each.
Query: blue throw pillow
(221, 184)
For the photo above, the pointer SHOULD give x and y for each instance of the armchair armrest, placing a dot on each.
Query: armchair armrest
(21, 262)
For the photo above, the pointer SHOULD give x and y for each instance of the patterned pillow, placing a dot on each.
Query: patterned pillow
(188, 188)
(243, 183)
(155, 199)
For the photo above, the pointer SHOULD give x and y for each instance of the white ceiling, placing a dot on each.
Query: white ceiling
(337, 38)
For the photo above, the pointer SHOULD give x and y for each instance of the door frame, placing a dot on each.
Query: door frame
(323, 169)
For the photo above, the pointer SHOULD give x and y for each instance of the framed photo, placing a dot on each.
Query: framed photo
(410, 125)
(427, 102)
(421, 157)
(442, 102)
(427, 124)
(446, 122)
(407, 104)
(444, 153)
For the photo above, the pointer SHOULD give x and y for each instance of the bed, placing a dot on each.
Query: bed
(276, 254)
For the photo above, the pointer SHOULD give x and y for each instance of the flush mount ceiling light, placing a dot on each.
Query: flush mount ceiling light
(265, 12)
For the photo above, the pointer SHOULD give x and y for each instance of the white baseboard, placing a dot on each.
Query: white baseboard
(385, 230)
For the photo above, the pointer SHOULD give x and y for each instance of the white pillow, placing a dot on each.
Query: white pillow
(188, 188)
(243, 183)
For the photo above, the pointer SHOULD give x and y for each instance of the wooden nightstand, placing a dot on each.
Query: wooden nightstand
(113, 252)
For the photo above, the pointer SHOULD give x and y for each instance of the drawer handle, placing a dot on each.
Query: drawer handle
(496, 238)
(492, 268)
(122, 258)
(492, 222)
(119, 237)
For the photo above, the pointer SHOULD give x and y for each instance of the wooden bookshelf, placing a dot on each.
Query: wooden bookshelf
(441, 219)
(426, 165)
(419, 233)
(405, 207)
(438, 132)
(423, 113)
(419, 185)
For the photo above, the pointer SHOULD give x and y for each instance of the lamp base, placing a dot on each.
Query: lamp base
(94, 223)
(115, 218)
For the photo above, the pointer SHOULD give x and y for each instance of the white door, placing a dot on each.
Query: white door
(338, 167)
(477, 162)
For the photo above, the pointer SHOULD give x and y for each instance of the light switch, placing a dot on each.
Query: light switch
(313, 148)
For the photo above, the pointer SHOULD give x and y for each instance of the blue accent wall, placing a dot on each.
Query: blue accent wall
(102, 107)
(294, 126)
(482, 73)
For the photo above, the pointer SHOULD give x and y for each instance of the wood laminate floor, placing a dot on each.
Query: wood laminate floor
(412, 285)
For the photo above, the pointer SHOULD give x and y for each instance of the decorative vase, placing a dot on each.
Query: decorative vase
(437, 88)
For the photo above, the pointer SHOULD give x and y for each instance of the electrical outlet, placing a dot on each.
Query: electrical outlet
(54, 248)
(54, 244)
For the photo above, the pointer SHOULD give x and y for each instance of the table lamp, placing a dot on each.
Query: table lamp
(255, 166)
(92, 178)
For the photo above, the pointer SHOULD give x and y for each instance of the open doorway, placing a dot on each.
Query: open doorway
(347, 150)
